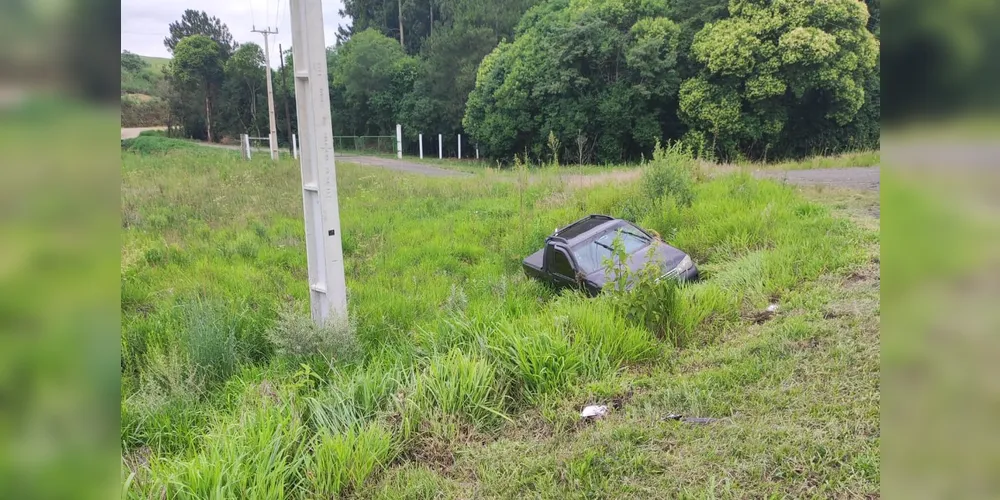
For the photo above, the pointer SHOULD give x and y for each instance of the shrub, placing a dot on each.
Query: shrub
(297, 335)
(340, 463)
(642, 297)
(147, 145)
(672, 172)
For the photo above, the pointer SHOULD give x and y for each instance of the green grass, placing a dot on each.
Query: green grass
(468, 377)
(846, 160)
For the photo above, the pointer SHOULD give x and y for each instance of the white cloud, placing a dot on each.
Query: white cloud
(144, 22)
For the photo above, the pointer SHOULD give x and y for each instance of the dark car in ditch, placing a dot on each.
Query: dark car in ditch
(575, 255)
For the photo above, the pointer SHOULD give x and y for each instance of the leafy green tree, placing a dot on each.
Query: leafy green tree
(372, 74)
(771, 64)
(132, 63)
(418, 18)
(600, 75)
(194, 22)
(243, 91)
(198, 66)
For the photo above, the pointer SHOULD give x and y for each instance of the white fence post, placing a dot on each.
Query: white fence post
(477, 151)
(246, 144)
(440, 147)
(421, 139)
(399, 141)
(295, 148)
(459, 146)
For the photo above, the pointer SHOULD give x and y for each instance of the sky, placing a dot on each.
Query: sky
(144, 22)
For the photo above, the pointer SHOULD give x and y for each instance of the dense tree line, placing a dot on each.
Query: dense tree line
(602, 79)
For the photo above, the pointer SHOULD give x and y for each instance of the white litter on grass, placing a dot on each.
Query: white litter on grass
(594, 411)
(773, 308)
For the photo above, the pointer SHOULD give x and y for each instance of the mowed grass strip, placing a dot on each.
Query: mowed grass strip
(465, 377)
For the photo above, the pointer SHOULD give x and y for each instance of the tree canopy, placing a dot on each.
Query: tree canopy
(583, 80)
(194, 22)
(771, 63)
(198, 65)
(601, 72)
(370, 74)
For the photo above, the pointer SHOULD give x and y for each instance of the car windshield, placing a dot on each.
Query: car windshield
(590, 256)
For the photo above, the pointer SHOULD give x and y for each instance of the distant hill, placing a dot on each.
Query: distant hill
(146, 81)
(155, 63)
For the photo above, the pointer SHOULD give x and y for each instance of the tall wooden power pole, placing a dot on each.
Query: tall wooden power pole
(324, 249)
(273, 135)
(284, 95)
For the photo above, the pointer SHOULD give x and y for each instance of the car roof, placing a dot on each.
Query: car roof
(586, 227)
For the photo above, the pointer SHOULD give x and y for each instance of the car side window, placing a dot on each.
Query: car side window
(561, 263)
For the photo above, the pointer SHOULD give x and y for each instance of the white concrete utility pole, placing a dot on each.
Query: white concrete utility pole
(324, 249)
(272, 137)
(399, 141)
(440, 147)
(459, 146)
(421, 140)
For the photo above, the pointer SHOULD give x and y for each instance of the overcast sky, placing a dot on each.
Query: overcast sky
(144, 22)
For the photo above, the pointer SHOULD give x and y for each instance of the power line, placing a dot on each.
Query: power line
(277, 17)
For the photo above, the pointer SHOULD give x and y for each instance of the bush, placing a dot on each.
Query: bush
(642, 297)
(297, 335)
(672, 172)
(145, 145)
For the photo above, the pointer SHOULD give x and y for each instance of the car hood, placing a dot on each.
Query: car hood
(665, 256)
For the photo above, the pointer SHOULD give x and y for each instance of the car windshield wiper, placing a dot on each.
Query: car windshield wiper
(598, 243)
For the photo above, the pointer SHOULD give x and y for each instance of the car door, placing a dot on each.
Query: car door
(562, 267)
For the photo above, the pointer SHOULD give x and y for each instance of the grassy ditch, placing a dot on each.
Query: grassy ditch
(455, 374)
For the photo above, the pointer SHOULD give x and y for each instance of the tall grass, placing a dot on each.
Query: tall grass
(446, 326)
(255, 454)
(340, 463)
(459, 385)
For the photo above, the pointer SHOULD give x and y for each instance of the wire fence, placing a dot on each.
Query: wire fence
(344, 145)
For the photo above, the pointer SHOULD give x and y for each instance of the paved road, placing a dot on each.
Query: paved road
(401, 166)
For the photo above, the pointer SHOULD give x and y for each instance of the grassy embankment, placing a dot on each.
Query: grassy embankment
(457, 375)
